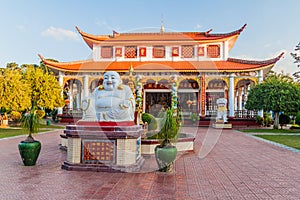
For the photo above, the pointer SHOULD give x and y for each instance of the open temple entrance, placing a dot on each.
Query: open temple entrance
(156, 101)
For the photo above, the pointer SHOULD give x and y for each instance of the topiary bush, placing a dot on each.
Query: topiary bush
(284, 120)
(151, 121)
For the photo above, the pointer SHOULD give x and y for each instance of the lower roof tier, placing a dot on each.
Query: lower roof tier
(230, 65)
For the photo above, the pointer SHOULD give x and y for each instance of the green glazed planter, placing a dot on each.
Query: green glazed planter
(29, 152)
(165, 156)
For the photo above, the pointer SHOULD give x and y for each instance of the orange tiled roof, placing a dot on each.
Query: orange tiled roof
(231, 65)
(164, 37)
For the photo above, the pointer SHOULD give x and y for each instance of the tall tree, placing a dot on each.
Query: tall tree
(278, 93)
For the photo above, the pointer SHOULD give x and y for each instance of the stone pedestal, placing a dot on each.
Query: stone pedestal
(103, 148)
(222, 125)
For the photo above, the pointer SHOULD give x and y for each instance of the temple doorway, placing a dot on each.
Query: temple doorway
(156, 101)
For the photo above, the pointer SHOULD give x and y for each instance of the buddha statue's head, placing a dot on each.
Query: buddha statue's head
(111, 80)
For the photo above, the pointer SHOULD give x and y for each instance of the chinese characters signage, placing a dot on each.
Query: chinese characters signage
(175, 51)
(203, 97)
(98, 151)
(143, 51)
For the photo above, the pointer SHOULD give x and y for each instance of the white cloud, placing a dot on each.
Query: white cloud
(286, 63)
(105, 25)
(60, 34)
(198, 26)
(22, 28)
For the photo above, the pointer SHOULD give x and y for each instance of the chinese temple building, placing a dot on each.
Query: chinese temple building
(200, 62)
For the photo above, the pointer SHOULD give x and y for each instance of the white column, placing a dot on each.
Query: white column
(231, 95)
(60, 81)
(240, 99)
(260, 80)
(85, 86)
(226, 51)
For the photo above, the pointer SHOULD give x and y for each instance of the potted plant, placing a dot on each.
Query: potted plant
(30, 148)
(166, 152)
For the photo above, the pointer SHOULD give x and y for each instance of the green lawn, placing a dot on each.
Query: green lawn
(14, 131)
(285, 131)
(288, 140)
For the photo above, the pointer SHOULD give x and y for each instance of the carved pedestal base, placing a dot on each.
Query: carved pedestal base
(103, 148)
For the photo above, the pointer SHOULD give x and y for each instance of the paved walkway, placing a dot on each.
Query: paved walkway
(226, 165)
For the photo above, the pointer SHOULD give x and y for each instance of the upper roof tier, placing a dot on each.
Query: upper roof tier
(160, 38)
(230, 65)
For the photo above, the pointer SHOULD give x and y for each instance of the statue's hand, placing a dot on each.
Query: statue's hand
(125, 104)
(122, 106)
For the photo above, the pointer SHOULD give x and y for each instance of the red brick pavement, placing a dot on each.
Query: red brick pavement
(238, 167)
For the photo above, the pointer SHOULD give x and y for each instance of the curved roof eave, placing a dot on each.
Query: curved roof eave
(173, 37)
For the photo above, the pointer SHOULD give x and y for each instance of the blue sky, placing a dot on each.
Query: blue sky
(32, 27)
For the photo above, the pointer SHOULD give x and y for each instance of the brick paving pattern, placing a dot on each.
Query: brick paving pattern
(237, 167)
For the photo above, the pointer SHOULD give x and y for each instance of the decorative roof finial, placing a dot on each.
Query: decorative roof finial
(162, 28)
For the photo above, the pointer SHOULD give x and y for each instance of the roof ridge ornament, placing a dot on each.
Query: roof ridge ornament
(115, 34)
(207, 32)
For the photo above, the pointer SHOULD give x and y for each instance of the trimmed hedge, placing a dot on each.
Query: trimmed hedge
(151, 120)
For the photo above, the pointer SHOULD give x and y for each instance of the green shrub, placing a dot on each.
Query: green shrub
(259, 120)
(151, 120)
(297, 119)
(284, 120)
(295, 126)
(267, 119)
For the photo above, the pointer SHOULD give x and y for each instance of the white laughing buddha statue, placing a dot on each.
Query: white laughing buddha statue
(110, 102)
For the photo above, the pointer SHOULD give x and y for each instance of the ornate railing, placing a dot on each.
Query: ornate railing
(72, 112)
(245, 114)
(238, 114)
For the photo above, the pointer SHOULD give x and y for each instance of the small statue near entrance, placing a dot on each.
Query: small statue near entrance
(222, 110)
(110, 102)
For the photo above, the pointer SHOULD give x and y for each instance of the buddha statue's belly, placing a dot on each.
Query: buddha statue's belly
(105, 103)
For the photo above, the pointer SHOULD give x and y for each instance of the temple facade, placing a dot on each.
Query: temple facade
(150, 62)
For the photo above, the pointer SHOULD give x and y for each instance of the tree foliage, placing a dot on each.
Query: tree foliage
(28, 86)
(278, 93)
(45, 90)
(13, 89)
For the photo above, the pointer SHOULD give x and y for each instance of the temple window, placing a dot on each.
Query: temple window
(158, 52)
(106, 52)
(130, 52)
(187, 51)
(213, 51)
